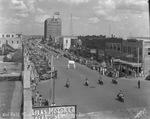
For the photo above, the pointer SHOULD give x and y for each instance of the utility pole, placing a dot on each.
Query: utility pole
(109, 30)
(52, 90)
(71, 27)
(138, 61)
(149, 17)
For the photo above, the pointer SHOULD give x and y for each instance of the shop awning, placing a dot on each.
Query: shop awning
(129, 63)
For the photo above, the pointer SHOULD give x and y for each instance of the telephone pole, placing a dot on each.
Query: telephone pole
(71, 27)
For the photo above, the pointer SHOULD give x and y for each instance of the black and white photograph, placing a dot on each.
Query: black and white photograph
(74, 59)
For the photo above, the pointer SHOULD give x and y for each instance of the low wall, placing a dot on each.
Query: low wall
(27, 93)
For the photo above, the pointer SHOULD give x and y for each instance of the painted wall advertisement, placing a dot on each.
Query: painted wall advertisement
(55, 112)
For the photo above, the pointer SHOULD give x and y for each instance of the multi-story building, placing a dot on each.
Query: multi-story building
(67, 41)
(12, 39)
(136, 52)
(113, 48)
(52, 27)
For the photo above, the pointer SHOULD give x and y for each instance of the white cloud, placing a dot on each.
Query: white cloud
(17, 4)
(74, 1)
(41, 18)
(75, 18)
(40, 11)
(9, 21)
(21, 14)
(94, 20)
(30, 5)
(113, 18)
(22, 5)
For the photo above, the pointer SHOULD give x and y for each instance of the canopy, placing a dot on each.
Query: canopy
(129, 63)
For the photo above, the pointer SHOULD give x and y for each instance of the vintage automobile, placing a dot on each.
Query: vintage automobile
(147, 78)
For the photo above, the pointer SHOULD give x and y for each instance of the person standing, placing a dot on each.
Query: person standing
(139, 83)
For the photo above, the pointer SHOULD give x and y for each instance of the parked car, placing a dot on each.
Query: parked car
(147, 78)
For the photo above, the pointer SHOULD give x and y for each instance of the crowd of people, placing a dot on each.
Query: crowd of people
(38, 100)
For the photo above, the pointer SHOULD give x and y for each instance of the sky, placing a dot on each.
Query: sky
(122, 18)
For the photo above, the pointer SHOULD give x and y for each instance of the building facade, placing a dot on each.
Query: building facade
(67, 41)
(113, 48)
(52, 27)
(12, 39)
(137, 53)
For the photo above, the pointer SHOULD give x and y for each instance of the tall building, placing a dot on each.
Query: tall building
(52, 27)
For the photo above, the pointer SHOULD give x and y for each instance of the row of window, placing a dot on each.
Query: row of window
(132, 50)
(8, 36)
(113, 46)
(11, 42)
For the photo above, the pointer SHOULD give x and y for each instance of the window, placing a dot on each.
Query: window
(111, 46)
(3, 35)
(118, 46)
(66, 41)
(148, 51)
(7, 35)
(114, 46)
(129, 49)
(17, 42)
(12, 35)
(12, 42)
(140, 52)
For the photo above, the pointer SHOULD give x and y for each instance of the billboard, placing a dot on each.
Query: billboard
(55, 112)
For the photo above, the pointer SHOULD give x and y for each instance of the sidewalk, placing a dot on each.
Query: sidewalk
(133, 78)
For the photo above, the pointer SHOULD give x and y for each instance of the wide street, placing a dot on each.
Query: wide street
(95, 97)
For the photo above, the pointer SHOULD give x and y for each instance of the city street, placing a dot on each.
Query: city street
(95, 97)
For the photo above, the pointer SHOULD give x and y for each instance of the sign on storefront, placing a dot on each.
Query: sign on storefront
(55, 112)
(93, 51)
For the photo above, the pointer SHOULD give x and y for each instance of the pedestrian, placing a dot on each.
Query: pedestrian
(37, 96)
(139, 83)
(40, 100)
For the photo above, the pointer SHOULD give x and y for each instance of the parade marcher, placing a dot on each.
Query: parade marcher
(40, 100)
(4, 69)
(67, 83)
(139, 83)
(37, 96)
(87, 82)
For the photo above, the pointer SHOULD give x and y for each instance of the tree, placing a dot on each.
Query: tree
(17, 57)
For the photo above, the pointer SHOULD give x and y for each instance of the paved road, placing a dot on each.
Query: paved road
(95, 97)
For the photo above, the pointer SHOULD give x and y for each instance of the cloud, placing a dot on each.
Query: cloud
(41, 18)
(22, 5)
(40, 11)
(17, 4)
(75, 18)
(74, 1)
(21, 15)
(109, 6)
(9, 21)
(134, 6)
(94, 20)
(113, 18)
(30, 5)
